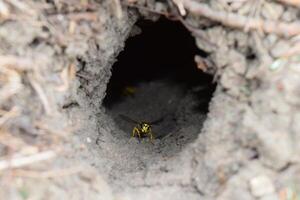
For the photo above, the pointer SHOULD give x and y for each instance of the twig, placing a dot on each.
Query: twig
(47, 174)
(89, 16)
(170, 16)
(11, 85)
(18, 63)
(77, 16)
(197, 32)
(254, 13)
(294, 50)
(67, 75)
(22, 161)
(4, 10)
(8, 115)
(116, 4)
(11, 141)
(166, 14)
(291, 2)
(42, 95)
(239, 21)
(84, 76)
(180, 6)
(23, 7)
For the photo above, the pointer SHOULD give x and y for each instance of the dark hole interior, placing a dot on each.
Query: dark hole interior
(155, 78)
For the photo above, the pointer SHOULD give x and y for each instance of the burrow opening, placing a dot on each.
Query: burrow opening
(155, 78)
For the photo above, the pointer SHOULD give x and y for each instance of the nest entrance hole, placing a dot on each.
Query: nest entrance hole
(155, 78)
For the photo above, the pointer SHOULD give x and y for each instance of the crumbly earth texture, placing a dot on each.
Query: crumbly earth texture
(56, 60)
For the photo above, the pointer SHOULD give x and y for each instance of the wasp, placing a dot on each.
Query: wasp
(142, 129)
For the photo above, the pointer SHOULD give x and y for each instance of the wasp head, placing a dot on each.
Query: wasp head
(145, 127)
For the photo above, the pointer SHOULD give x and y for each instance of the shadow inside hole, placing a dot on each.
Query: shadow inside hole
(155, 77)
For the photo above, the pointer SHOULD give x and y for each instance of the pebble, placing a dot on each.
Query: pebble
(88, 140)
(261, 186)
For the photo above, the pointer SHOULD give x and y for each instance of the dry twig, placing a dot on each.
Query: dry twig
(89, 16)
(8, 115)
(4, 10)
(291, 2)
(294, 50)
(23, 7)
(17, 63)
(170, 16)
(180, 6)
(129, 4)
(11, 83)
(13, 143)
(67, 75)
(42, 95)
(47, 174)
(116, 5)
(238, 21)
(26, 160)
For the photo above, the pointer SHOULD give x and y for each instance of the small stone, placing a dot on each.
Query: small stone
(272, 11)
(88, 140)
(277, 64)
(280, 49)
(238, 62)
(261, 186)
(270, 41)
(290, 14)
(270, 197)
(160, 7)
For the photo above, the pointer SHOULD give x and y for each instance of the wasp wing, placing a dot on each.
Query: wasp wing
(128, 119)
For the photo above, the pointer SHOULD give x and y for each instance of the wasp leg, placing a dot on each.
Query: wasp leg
(136, 131)
(151, 136)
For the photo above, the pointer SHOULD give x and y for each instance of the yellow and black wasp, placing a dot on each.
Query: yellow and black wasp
(142, 129)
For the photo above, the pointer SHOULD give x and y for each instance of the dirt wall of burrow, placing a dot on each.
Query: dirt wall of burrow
(42, 47)
(57, 58)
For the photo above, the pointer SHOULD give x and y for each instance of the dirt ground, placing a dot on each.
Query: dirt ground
(227, 112)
